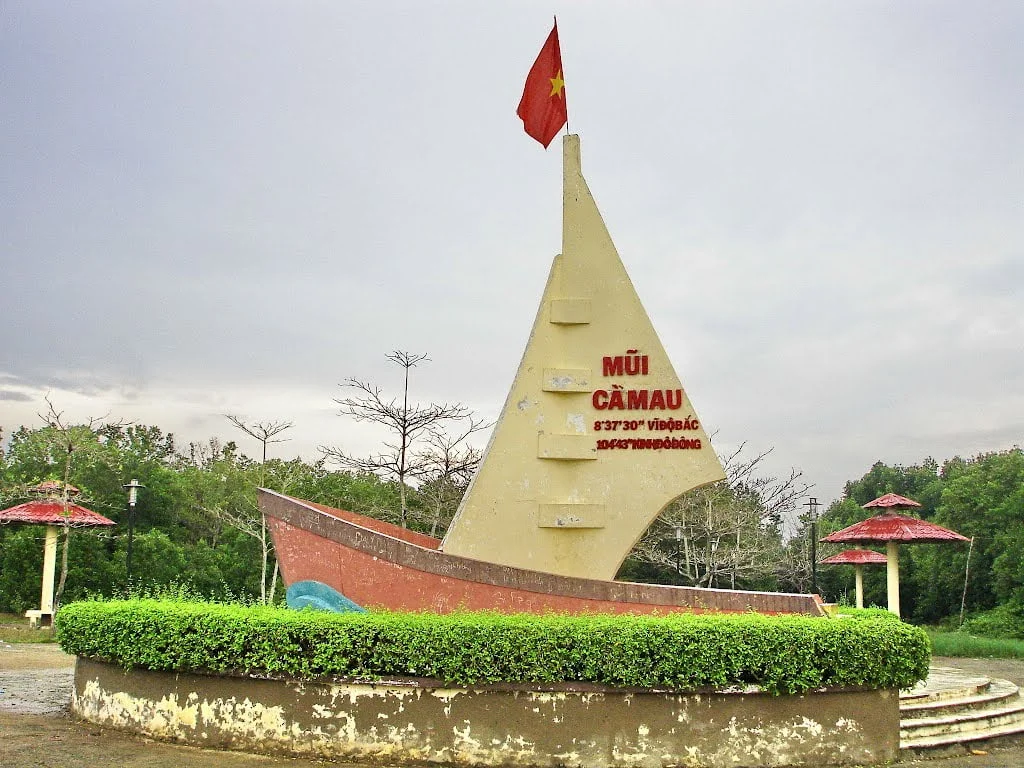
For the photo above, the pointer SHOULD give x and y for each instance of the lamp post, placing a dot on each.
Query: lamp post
(133, 497)
(812, 506)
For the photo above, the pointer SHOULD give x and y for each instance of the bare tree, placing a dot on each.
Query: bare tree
(251, 520)
(727, 533)
(264, 431)
(444, 469)
(407, 424)
(794, 566)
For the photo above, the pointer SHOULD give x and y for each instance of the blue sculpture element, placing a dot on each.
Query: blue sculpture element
(320, 597)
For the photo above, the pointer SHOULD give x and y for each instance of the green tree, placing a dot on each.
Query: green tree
(980, 497)
(983, 498)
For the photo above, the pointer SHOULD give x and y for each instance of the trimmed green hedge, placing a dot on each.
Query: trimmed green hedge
(868, 613)
(782, 654)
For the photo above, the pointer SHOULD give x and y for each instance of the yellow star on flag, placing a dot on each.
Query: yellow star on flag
(557, 83)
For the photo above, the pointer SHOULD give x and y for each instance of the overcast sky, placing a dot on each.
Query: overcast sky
(229, 207)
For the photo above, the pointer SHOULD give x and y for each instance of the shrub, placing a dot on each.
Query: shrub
(781, 654)
(880, 614)
(1004, 621)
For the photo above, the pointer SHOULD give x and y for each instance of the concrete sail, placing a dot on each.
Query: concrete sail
(597, 435)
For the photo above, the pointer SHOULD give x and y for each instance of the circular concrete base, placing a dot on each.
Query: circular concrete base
(402, 721)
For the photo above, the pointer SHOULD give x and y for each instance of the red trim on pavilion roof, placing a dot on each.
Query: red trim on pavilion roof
(856, 557)
(891, 500)
(888, 526)
(51, 512)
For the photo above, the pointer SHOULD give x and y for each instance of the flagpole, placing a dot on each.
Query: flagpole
(563, 73)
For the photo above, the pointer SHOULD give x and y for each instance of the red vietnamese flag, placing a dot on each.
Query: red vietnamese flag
(542, 107)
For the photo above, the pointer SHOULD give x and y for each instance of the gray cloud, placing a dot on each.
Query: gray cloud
(204, 211)
(11, 395)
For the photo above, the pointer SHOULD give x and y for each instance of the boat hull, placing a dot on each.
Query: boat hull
(377, 565)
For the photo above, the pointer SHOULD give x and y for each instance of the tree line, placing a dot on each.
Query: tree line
(197, 521)
(982, 498)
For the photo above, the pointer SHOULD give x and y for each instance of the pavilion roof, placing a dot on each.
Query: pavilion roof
(856, 557)
(51, 512)
(889, 526)
(891, 500)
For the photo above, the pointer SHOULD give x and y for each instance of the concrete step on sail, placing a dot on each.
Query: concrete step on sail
(952, 708)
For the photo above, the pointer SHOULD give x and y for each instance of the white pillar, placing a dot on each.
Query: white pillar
(49, 569)
(892, 573)
(858, 571)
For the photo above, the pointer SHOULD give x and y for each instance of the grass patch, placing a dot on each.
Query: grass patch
(972, 646)
(15, 629)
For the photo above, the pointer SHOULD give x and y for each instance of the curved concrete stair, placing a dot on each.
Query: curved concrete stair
(994, 695)
(952, 708)
(945, 683)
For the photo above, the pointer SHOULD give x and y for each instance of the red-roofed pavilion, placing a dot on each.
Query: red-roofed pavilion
(892, 528)
(54, 514)
(858, 558)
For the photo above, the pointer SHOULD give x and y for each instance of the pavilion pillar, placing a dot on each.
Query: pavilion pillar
(892, 572)
(49, 570)
(858, 576)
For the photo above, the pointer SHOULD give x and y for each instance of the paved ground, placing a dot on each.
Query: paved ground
(1007, 754)
(37, 732)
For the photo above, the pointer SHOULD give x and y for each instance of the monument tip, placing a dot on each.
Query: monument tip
(571, 153)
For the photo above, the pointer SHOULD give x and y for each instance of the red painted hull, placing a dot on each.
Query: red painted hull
(378, 565)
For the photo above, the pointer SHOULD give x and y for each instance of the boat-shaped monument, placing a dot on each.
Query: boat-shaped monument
(597, 436)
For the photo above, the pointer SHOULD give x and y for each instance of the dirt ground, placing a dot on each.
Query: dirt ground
(36, 730)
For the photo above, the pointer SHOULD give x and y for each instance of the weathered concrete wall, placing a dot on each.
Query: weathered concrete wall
(397, 722)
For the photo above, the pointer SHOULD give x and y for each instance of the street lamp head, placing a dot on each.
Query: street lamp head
(133, 491)
(812, 506)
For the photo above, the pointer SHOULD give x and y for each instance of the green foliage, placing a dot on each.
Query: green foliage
(870, 614)
(970, 646)
(1003, 621)
(981, 497)
(21, 563)
(181, 523)
(635, 569)
(174, 592)
(919, 482)
(782, 654)
(182, 533)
